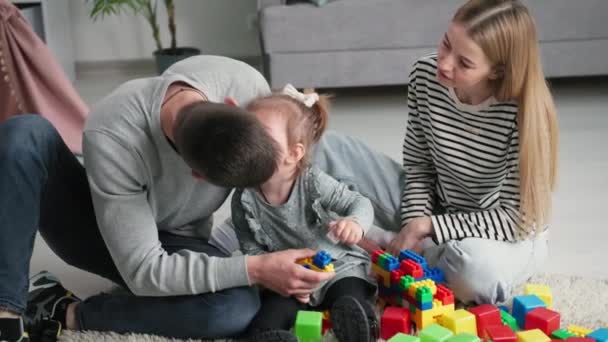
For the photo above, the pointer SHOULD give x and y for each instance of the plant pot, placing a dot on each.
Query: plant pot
(166, 57)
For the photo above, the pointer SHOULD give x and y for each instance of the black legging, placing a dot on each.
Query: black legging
(279, 313)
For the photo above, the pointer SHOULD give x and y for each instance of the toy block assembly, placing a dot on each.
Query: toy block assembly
(541, 291)
(544, 319)
(485, 315)
(320, 262)
(394, 320)
(459, 321)
(499, 333)
(308, 326)
(434, 333)
(532, 336)
(524, 304)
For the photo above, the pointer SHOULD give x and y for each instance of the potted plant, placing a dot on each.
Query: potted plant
(149, 9)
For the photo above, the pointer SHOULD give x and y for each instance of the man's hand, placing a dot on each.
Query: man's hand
(346, 231)
(279, 272)
(411, 235)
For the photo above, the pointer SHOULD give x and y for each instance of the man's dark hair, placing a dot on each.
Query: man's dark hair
(227, 145)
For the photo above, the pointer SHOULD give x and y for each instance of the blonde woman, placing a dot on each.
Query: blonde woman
(480, 153)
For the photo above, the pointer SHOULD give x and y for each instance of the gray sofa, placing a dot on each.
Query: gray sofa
(374, 42)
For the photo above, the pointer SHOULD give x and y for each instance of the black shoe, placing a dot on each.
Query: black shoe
(46, 307)
(273, 336)
(12, 330)
(349, 321)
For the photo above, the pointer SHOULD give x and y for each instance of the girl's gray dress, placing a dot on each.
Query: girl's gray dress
(302, 222)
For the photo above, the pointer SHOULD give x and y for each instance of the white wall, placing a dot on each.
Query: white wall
(215, 26)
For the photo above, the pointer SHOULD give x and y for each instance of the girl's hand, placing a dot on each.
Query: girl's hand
(346, 231)
(411, 235)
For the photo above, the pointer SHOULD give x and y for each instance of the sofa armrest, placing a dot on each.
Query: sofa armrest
(267, 3)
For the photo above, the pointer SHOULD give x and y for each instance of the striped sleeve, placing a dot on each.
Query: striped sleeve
(418, 192)
(500, 222)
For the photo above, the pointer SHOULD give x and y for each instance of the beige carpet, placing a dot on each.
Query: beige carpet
(580, 301)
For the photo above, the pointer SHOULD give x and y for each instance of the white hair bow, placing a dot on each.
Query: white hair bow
(307, 99)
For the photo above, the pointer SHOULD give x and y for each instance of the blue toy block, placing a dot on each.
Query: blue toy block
(504, 308)
(392, 264)
(407, 254)
(524, 304)
(306, 266)
(434, 274)
(321, 259)
(424, 306)
(600, 335)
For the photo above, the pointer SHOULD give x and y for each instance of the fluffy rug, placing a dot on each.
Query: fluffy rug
(581, 301)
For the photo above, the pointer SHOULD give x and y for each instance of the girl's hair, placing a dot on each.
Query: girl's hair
(506, 32)
(305, 125)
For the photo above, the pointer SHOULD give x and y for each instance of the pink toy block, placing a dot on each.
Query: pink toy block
(486, 315)
(394, 320)
(544, 319)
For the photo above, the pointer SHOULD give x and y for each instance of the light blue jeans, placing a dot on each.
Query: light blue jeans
(478, 270)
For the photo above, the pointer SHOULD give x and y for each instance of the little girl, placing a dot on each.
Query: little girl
(480, 152)
(297, 208)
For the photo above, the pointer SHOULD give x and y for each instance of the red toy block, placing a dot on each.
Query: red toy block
(499, 333)
(396, 276)
(486, 315)
(394, 320)
(410, 267)
(579, 339)
(543, 319)
(445, 295)
(375, 256)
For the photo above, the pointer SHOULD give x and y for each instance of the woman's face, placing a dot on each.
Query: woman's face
(461, 63)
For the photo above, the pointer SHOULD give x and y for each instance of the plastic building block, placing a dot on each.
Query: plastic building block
(434, 333)
(308, 326)
(382, 274)
(485, 316)
(600, 335)
(435, 274)
(524, 304)
(310, 264)
(508, 320)
(424, 298)
(579, 331)
(499, 333)
(410, 267)
(400, 337)
(504, 308)
(407, 254)
(391, 263)
(321, 259)
(459, 321)
(579, 339)
(376, 255)
(562, 334)
(464, 337)
(541, 291)
(396, 277)
(544, 319)
(394, 320)
(532, 336)
(445, 295)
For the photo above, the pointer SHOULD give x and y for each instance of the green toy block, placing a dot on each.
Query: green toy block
(509, 320)
(401, 337)
(424, 294)
(464, 337)
(405, 282)
(382, 260)
(434, 333)
(308, 326)
(562, 334)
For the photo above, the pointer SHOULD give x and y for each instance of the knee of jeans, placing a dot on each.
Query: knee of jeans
(472, 277)
(231, 311)
(26, 133)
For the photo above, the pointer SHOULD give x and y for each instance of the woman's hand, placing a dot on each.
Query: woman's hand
(411, 235)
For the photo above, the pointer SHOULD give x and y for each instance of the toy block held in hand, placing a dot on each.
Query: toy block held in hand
(459, 321)
(320, 262)
(485, 316)
(308, 326)
(524, 304)
(394, 320)
(499, 333)
(541, 291)
(544, 319)
(532, 336)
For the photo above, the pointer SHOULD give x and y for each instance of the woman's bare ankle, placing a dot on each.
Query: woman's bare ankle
(70, 317)
(8, 314)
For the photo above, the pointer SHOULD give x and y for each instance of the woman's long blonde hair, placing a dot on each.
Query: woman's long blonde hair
(506, 32)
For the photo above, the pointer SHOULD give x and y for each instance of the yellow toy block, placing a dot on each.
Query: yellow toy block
(309, 262)
(535, 335)
(579, 331)
(384, 274)
(541, 291)
(459, 321)
(424, 318)
(440, 309)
